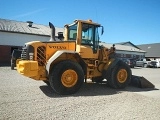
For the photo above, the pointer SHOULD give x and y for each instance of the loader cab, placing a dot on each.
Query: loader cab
(86, 36)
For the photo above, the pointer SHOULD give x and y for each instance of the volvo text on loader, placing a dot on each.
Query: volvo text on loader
(66, 64)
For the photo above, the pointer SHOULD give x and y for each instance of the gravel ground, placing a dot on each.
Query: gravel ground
(23, 98)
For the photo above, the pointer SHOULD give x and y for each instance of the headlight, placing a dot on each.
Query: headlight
(31, 56)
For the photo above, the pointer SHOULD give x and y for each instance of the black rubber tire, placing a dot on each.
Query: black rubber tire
(112, 78)
(112, 55)
(58, 70)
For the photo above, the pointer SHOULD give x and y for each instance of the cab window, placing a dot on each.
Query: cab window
(72, 32)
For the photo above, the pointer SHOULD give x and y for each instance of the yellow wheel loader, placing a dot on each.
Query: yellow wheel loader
(67, 64)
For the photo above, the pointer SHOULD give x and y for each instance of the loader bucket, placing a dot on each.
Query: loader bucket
(141, 82)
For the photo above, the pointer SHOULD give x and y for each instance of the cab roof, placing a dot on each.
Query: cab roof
(87, 21)
(84, 21)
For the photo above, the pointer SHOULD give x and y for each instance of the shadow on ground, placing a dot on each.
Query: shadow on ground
(88, 89)
(93, 89)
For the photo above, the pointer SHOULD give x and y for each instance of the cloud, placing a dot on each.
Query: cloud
(29, 13)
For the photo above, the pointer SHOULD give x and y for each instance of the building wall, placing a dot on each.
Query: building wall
(10, 41)
(17, 39)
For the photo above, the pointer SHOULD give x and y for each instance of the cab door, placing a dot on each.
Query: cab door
(89, 41)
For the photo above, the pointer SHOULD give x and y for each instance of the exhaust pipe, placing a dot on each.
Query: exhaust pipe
(52, 32)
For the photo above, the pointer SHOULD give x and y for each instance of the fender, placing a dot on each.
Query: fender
(55, 56)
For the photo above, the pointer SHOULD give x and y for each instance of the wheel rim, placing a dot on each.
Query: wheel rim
(122, 75)
(69, 78)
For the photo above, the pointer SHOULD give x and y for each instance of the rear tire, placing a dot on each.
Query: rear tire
(120, 76)
(66, 77)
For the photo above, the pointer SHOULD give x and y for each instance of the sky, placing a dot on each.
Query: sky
(137, 21)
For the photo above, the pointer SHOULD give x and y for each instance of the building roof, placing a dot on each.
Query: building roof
(128, 44)
(153, 50)
(123, 47)
(24, 28)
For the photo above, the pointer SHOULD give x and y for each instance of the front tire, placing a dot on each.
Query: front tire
(66, 77)
(120, 75)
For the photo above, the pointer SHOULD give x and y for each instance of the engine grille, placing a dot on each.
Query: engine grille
(41, 55)
(24, 54)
